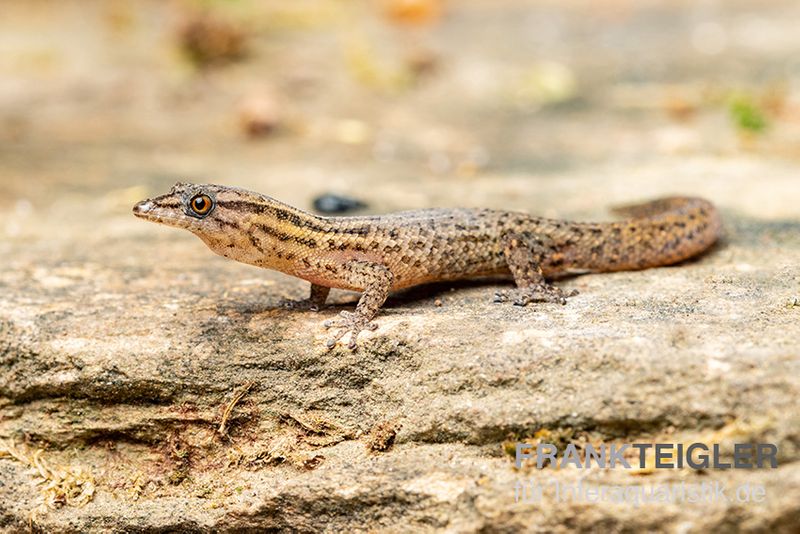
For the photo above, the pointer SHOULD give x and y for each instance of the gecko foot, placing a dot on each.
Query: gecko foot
(350, 322)
(522, 296)
(304, 304)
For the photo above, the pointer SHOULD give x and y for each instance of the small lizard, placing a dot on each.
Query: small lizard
(382, 253)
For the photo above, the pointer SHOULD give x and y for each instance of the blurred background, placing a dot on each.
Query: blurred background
(552, 106)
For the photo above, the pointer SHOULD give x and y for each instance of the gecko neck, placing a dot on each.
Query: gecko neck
(265, 232)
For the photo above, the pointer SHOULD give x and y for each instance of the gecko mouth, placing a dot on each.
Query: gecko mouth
(148, 210)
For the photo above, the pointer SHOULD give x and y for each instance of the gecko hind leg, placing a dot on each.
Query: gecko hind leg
(376, 279)
(315, 301)
(524, 262)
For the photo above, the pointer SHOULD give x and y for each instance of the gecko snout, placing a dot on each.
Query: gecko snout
(142, 208)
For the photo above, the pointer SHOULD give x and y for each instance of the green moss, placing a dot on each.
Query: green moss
(747, 115)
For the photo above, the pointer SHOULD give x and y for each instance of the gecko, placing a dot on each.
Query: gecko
(378, 254)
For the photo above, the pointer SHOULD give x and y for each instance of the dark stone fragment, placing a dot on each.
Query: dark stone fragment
(330, 203)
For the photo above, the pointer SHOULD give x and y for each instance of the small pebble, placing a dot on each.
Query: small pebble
(259, 116)
(207, 40)
(331, 203)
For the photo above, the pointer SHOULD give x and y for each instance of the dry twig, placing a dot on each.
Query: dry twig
(222, 430)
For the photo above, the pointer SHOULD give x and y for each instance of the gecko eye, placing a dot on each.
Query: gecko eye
(201, 205)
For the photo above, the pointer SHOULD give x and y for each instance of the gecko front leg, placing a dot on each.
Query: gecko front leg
(315, 302)
(524, 259)
(376, 280)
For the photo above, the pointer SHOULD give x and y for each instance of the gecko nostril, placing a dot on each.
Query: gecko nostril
(143, 207)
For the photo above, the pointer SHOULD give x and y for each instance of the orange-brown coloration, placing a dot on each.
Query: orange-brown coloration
(378, 254)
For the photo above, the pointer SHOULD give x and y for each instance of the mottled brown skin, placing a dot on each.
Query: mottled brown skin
(383, 253)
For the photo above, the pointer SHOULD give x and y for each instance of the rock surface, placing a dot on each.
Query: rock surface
(125, 347)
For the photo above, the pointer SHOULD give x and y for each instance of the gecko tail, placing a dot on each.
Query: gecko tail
(655, 207)
(664, 231)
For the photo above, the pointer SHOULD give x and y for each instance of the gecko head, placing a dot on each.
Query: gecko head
(185, 206)
(190, 206)
(223, 217)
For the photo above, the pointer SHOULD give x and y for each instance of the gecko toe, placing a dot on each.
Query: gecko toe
(348, 323)
(522, 296)
(331, 342)
(300, 305)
